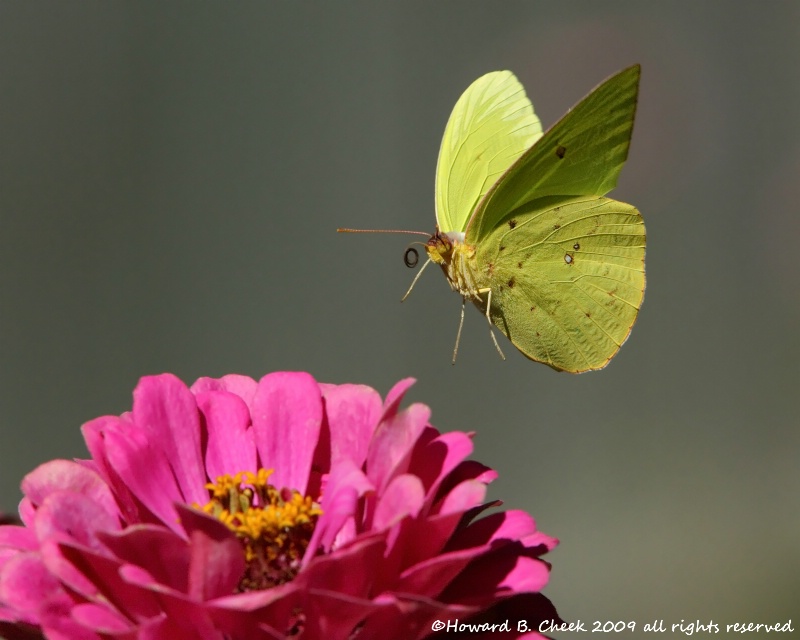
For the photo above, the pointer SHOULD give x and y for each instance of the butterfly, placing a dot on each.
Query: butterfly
(523, 229)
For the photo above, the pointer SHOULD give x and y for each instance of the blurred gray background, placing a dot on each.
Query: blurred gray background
(171, 180)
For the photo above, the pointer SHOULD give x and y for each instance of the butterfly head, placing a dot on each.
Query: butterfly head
(440, 246)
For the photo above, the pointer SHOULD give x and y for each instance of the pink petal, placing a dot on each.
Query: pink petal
(511, 525)
(499, 572)
(403, 497)
(395, 397)
(345, 486)
(426, 537)
(27, 512)
(162, 553)
(94, 434)
(242, 386)
(61, 475)
(101, 618)
(144, 469)
(429, 578)
(409, 617)
(131, 601)
(217, 561)
(17, 538)
(26, 584)
(353, 412)
(349, 571)
(70, 517)
(438, 458)
(467, 470)
(390, 451)
(287, 416)
(331, 614)
(165, 409)
(231, 442)
(462, 497)
(67, 516)
(58, 624)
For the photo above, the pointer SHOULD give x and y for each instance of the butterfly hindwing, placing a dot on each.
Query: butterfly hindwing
(567, 278)
(491, 125)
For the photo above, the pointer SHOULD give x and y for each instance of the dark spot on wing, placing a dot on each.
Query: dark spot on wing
(588, 315)
(490, 268)
(519, 265)
(512, 223)
(511, 283)
(502, 248)
(556, 227)
(561, 151)
(576, 246)
(533, 308)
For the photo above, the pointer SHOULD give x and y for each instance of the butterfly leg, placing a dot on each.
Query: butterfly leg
(489, 318)
(414, 281)
(460, 325)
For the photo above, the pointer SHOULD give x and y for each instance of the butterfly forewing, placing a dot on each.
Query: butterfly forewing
(567, 278)
(582, 154)
(492, 124)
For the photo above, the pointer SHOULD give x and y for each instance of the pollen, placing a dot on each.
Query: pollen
(273, 525)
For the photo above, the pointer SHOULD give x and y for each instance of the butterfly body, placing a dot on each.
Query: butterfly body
(524, 230)
(458, 263)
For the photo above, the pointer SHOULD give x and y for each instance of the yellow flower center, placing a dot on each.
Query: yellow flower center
(274, 526)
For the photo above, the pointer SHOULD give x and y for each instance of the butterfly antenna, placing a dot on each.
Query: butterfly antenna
(418, 233)
(460, 325)
(414, 281)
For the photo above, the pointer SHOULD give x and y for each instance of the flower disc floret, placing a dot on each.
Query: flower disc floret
(274, 526)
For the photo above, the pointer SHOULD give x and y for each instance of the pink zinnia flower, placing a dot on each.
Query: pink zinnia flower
(281, 508)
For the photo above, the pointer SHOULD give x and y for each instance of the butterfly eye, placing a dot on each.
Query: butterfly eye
(411, 257)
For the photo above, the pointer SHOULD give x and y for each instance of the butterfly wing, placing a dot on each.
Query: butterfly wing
(491, 125)
(567, 279)
(582, 154)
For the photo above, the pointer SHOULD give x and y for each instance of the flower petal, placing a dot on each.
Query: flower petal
(131, 601)
(163, 554)
(26, 585)
(390, 450)
(217, 561)
(94, 434)
(243, 386)
(403, 497)
(509, 525)
(353, 412)
(17, 538)
(395, 397)
(231, 442)
(345, 486)
(167, 412)
(287, 416)
(65, 475)
(144, 469)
